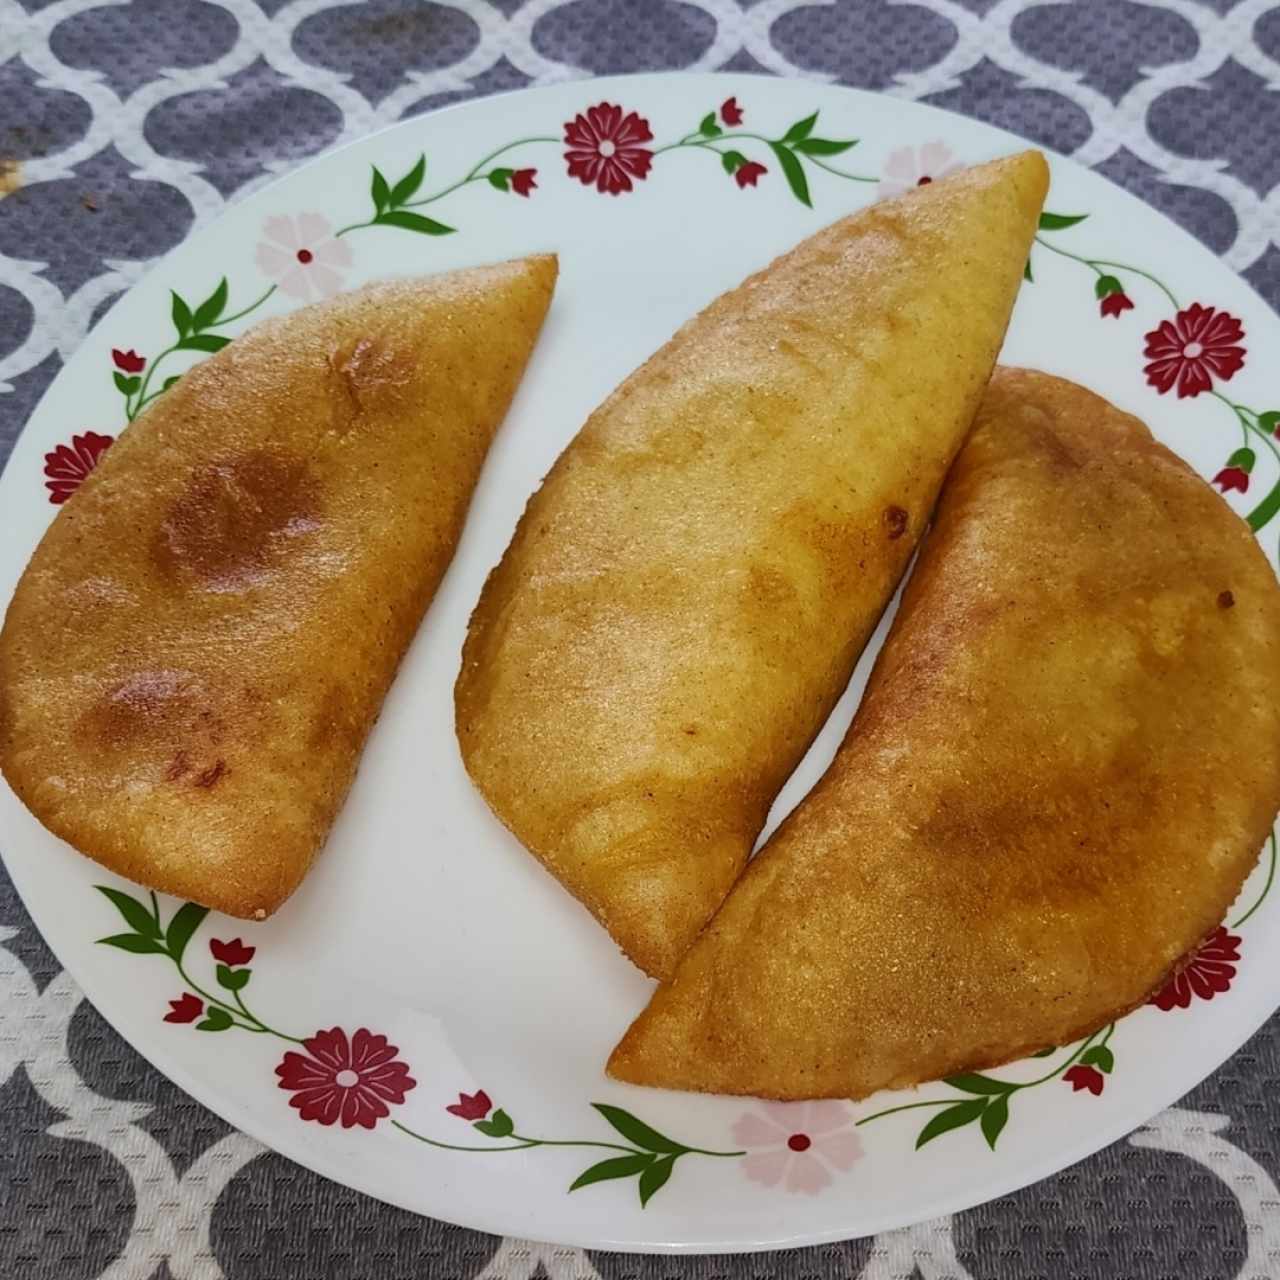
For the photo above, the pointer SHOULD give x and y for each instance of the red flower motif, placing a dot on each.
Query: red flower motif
(471, 1106)
(128, 361)
(1232, 478)
(522, 181)
(730, 112)
(68, 466)
(747, 175)
(601, 148)
(1082, 1077)
(1207, 973)
(186, 1009)
(1114, 303)
(231, 953)
(348, 1080)
(1189, 351)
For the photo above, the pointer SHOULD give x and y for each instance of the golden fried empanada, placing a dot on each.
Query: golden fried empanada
(686, 595)
(1065, 763)
(204, 637)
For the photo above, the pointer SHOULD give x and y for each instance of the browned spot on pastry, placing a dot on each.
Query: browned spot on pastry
(895, 520)
(141, 706)
(1225, 600)
(234, 516)
(179, 766)
(370, 366)
(211, 775)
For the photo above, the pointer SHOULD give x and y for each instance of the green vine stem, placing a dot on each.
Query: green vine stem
(522, 1142)
(1096, 265)
(195, 329)
(477, 173)
(1266, 887)
(985, 1099)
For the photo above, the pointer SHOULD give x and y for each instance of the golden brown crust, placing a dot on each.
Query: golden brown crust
(201, 642)
(687, 593)
(1065, 763)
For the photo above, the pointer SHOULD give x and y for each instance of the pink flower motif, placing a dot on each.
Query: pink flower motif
(601, 147)
(471, 1106)
(1208, 972)
(797, 1143)
(730, 112)
(1189, 351)
(187, 1008)
(1082, 1077)
(68, 466)
(128, 361)
(231, 953)
(302, 255)
(747, 175)
(908, 167)
(522, 181)
(348, 1080)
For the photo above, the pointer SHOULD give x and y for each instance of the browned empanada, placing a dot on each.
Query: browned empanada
(203, 639)
(1063, 768)
(686, 595)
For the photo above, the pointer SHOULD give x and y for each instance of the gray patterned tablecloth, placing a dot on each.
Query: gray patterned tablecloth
(125, 124)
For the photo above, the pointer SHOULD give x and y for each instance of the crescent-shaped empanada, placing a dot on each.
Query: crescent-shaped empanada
(686, 595)
(203, 638)
(1062, 770)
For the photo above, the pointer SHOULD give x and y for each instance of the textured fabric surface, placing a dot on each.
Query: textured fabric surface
(125, 123)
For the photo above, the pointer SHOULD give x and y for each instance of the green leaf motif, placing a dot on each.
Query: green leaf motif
(233, 979)
(168, 382)
(1101, 1057)
(637, 1131)
(615, 1167)
(1105, 286)
(801, 129)
(136, 916)
(126, 386)
(994, 1119)
(186, 920)
(822, 146)
(498, 1125)
(1060, 221)
(209, 342)
(135, 943)
(708, 128)
(1244, 458)
(971, 1082)
(1269, 421)
(211, 308)
(732, 161)
(952, 1118)
(1026, 275)
(379, 191)
(408, 186)
(500, 178)
(181, 314)
(215, 1020)
(793, 171)
(413, 222)
(1046, 1053)
(654, 1178)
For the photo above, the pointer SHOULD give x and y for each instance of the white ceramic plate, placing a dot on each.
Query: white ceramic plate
(423, 921)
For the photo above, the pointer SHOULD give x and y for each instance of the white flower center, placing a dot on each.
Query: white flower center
(607, 148)
(346, 1079)
(1193, 351)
